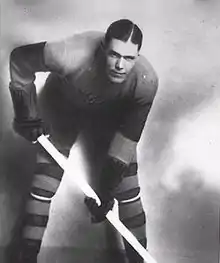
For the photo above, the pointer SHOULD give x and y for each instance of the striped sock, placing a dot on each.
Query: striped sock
(131, 211)
(45, 182)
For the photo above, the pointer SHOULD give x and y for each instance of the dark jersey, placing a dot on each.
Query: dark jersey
(79, 62)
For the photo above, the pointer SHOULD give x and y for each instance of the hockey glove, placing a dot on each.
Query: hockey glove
(98, 212)
(30, 129)
(111, 176)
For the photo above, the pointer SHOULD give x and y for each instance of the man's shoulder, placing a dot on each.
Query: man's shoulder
(147, 79)
(70, 53)
(145, 71)
(88, 39)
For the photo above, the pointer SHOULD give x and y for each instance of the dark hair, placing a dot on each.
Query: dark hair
(124, 29)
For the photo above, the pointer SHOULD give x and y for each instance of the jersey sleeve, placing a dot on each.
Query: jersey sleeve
(25, 61)
(121, 159)
(56, 56)
(144, 94)
(123, 146)
(62, 57)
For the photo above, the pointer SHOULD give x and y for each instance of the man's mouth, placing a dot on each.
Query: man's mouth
(117, 74)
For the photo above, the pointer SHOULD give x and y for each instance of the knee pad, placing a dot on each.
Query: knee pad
(46, 179)
(128, 190)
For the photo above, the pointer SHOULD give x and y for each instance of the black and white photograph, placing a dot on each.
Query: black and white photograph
(110, 131)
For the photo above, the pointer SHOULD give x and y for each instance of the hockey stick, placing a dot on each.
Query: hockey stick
(88, 191)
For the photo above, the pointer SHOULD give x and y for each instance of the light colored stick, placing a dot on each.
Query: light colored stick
(62, 161)
(88, 191)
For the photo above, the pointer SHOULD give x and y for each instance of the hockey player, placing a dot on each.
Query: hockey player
(99, 86)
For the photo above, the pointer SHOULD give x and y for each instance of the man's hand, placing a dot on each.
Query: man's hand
(98, 212)
(30, 129)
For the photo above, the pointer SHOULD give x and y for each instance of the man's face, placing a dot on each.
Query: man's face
(120, 59)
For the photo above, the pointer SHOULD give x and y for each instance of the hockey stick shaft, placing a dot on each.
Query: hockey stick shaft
(88, 191)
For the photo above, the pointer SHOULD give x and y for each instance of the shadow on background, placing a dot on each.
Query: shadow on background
(181, 39)
(184, 224)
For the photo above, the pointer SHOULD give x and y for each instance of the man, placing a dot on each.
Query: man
(101, 88)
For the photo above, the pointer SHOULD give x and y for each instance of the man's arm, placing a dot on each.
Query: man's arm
(62, 57)
(144, 94)
(25, 61)
(124, 144)
(122, 150)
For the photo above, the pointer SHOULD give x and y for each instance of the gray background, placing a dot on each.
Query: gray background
(180, 147)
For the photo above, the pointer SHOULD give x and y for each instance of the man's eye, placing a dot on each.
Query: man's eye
(130, 59)
(113, 55)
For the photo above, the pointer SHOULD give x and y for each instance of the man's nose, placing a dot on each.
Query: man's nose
(120, 63)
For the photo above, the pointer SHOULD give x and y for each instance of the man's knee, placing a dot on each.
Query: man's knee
(131, 210)
(128, 190)
(46, 178)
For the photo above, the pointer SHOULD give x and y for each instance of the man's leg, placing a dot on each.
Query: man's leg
(46, 180)
(131, 211)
